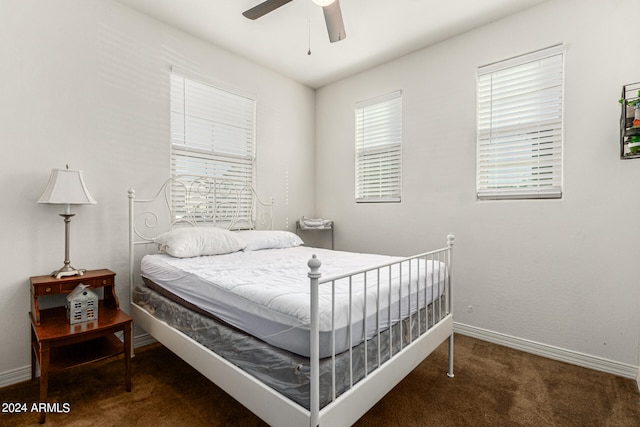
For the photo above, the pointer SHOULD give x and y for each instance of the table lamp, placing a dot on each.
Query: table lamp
(66, 187)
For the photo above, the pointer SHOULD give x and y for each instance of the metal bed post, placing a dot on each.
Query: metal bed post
(450, 240)
(132, 195)
(314, 331)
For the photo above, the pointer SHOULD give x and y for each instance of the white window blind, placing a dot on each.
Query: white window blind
(379, 149)
(519, 119)
(213, 135)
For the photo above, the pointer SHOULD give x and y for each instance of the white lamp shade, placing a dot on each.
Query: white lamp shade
(66, 187)
(323, 2)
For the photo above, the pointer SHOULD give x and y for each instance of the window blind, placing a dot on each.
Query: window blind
(379, 148)
(213, 135)
(519, 126)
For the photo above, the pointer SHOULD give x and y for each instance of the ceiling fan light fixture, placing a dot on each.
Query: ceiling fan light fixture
(323, 3)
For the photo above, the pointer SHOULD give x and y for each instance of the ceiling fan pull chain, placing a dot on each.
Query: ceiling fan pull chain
(309, 30)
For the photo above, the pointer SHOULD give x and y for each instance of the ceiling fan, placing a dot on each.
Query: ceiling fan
(331, 9)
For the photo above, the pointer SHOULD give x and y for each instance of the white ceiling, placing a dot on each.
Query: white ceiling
(377, 30)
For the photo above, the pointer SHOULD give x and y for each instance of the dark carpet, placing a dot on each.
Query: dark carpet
(493, 386)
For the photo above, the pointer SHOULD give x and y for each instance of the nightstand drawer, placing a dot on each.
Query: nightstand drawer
(68, 287)
(49, 289)
(100, 282)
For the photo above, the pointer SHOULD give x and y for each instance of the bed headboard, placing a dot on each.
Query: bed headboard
(198, 200)
(194, 200)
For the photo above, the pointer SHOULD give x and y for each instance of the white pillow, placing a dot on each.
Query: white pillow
(196, 241)
(269, 239)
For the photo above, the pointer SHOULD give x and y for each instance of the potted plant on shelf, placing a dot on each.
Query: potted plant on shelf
(632, 124)
(633, 110)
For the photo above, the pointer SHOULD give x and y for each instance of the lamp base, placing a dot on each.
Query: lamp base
(68, 271)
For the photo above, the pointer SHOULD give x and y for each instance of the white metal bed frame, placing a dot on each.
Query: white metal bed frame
(208, 200)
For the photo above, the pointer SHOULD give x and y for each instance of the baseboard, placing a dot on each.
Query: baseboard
(15, 376)
(18, 375)
(142, 340)
(551, 352)
(638, 379)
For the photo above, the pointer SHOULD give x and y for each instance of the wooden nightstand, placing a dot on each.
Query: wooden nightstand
(56, 344)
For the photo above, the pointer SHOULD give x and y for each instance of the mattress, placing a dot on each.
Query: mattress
(284, 371)
(266, 293)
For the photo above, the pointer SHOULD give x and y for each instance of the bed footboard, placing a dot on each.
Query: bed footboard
(423, 336)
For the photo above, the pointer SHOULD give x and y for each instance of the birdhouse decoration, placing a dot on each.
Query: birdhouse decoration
(82, 305)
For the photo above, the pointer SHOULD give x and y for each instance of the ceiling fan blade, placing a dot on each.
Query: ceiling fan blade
(335, 25)
(264, 8)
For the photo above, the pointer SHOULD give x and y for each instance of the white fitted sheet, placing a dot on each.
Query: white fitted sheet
(266, 293)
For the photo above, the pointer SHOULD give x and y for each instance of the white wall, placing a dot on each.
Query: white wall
(85, 83)
(561, 273)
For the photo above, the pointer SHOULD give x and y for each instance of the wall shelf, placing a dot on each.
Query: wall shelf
(629, 134)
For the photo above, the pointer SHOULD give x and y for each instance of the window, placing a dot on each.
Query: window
(379, 149)
(213, 135)
(519, 119)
